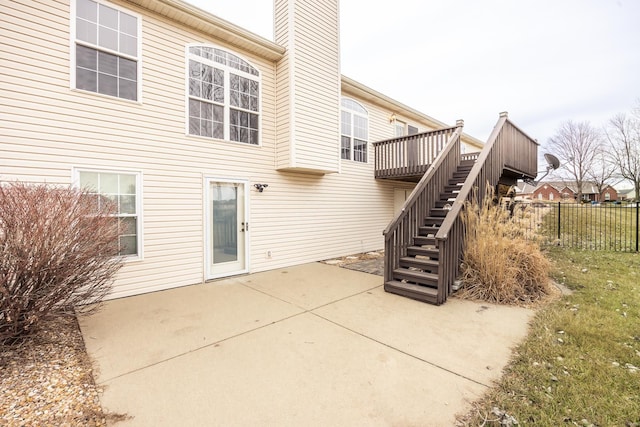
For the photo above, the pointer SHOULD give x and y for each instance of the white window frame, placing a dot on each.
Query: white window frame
(139, 217)
(74, 41)
(351, 135)
(228, 70)
(401, 128)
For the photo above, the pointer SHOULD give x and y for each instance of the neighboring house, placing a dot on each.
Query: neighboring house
(524, 191)
(609, 194)
(547, 191)
(627, 194)
(567, 191)
(227, 153)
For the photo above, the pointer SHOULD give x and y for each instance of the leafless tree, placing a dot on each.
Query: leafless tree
(602, 172)
(623, 133)
(577, 146)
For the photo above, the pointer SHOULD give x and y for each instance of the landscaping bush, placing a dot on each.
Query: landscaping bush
(500, 263)
(58, 250)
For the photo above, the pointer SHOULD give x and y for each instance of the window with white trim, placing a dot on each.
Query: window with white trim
(107, 57)
(354, 131)
(123, 189)
(224, 95)
(403, 129)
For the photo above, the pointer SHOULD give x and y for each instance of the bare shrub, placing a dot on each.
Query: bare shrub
(58, 250)
(501, 263)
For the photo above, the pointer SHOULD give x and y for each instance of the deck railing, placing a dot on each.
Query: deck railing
(470, 156)
(409, 155)
(399, 233)
(507, 147)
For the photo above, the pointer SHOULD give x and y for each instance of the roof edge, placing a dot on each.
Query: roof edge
(351, 86)
(189, 14)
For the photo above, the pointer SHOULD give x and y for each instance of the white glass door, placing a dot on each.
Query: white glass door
(227, 228)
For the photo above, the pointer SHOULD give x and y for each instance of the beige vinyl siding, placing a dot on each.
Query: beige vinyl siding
(47, 129)
(284, 119)
(311, 96)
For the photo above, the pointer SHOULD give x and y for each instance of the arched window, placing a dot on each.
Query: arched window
(354, 126)
(224, 95)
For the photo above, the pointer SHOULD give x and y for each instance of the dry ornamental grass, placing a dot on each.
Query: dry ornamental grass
(500, 263)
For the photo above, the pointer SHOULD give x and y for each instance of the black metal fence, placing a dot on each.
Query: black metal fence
(604, 226)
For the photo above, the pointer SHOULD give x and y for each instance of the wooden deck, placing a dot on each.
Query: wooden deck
(407, 158)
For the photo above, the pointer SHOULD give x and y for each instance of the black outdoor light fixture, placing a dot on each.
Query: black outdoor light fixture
(260, 187)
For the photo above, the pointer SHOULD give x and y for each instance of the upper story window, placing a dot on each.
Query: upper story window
(107, 52)
(402, 129)
(354, 130)
(224, 96)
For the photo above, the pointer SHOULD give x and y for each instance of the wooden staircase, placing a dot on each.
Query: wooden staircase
(417, 274)
(424, 242)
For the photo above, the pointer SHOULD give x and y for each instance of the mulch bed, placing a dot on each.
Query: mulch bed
(46, 379)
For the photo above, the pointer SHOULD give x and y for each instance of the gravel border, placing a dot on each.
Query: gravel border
(47, 379)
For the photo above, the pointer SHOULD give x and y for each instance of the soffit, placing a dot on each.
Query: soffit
(212, 25)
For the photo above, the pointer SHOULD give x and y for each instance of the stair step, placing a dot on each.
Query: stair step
(432, 253)
(428, 265)
(428, 230)
(448, 195)
(420, 293)
(455, 189)
(423, 240)
(415, 276)
(442, 203)
(430, 220)
(438, 212)
(462, 175)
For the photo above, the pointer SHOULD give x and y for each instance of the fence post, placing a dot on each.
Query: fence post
(558, 220)
(637, 215)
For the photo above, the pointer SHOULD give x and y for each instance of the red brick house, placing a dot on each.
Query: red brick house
(547, 191)
(609, 194)
(564, 191)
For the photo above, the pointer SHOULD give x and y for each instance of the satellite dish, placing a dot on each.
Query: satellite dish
(552, 162)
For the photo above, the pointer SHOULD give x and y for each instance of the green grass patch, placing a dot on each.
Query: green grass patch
(606, 226)
(580, 364)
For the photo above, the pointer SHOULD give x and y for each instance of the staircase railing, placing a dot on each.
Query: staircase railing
(507, 147)
(399, 233)
(409, 155)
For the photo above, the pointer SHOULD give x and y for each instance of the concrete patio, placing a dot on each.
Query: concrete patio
(308, 345)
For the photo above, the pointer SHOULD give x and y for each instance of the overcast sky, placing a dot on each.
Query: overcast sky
(543, 61)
